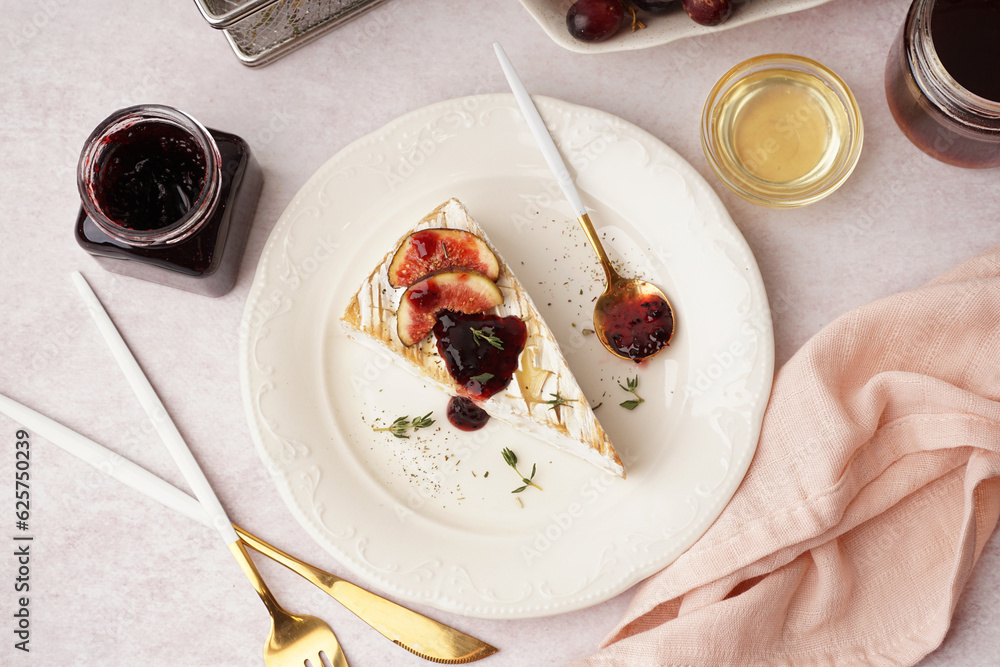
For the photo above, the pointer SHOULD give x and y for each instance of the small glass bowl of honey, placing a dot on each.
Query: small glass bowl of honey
(781, 130)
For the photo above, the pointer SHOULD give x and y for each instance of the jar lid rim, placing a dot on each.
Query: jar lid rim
(200, 209)
(937, 82)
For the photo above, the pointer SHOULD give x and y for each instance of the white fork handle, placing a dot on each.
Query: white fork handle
(125, 471)
(158, 414)
(540, 133)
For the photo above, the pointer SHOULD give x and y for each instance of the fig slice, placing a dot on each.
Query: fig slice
(430, 250)
(459, 290)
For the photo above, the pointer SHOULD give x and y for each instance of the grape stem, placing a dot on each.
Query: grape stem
(637, 23)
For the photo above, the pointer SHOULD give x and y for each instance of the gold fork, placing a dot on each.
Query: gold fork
(293, 639)
(406, 628)
(418, 634)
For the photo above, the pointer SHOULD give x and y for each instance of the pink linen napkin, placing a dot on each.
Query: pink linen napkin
(874, 487)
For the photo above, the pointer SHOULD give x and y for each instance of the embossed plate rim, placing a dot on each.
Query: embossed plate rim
(444, 570)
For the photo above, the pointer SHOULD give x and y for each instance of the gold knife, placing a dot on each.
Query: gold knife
(416, 633)
(406, 628)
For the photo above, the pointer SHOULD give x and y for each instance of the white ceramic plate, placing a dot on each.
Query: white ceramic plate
(432, 519)
(660, 28)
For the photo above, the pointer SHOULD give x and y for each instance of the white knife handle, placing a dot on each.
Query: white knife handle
(104, 459)
(158, 414)
(540, 132)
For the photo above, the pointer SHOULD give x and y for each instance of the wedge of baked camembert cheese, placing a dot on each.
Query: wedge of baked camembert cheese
(397, 307)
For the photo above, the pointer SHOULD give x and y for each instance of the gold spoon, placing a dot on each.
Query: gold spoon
(633, 318)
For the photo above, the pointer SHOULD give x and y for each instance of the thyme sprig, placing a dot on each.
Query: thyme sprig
(633, 384)
(557, 401)
(485, 335)
(403, 424)
(511, 459)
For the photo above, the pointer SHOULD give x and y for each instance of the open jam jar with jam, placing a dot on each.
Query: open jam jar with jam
(942, 82)
(167, 200)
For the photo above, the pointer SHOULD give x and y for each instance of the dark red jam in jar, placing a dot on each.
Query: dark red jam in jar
(942, 80)
(152, 175)
(167, 200)
(966, 36)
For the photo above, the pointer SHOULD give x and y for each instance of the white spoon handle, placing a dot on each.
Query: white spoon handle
(158, 414)
(541, 133)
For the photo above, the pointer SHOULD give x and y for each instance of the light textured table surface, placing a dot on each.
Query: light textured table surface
(118, 580)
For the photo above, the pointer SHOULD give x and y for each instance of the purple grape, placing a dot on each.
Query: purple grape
(595, 20)
(654, 6)
(708, 12)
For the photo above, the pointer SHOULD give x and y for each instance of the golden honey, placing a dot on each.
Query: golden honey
(781, 135)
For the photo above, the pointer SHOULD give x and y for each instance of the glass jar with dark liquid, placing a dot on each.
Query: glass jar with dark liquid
(942, 80)
(167, 200)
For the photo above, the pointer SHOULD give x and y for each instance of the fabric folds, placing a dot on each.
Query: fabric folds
(875, 486)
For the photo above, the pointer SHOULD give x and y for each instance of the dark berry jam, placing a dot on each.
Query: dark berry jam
(207, 260)
(966, 35)
(465, 415)
(941, 80)
(150, 177)
(480, 351)
(639, 328)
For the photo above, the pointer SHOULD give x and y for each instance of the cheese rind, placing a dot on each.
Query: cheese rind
(370, 319)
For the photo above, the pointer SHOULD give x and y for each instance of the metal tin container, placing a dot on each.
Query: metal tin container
(262, 30)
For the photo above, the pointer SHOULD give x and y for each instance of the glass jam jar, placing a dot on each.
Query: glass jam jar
(167, 200)
(941, 80)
